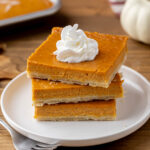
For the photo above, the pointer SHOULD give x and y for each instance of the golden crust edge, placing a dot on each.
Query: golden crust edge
(71, 100)
(80, 118)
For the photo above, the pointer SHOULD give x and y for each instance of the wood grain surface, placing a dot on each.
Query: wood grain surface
(91, 15)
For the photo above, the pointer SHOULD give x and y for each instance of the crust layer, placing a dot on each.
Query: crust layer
(42, 102)
(81, 118)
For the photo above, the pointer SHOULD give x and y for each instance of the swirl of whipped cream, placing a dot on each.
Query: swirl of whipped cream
(75, 46)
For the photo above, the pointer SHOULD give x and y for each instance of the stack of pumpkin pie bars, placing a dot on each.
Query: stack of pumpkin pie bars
(77, 91)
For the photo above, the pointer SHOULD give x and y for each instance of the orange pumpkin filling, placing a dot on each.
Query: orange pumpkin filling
(94, 110)
(49, 92)
(13, 8)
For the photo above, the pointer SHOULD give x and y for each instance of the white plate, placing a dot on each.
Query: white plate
(47, 12)
(132, 111)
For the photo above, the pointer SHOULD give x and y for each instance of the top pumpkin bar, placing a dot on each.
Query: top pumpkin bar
(99, 72)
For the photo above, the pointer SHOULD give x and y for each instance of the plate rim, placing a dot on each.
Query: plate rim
(122, 133)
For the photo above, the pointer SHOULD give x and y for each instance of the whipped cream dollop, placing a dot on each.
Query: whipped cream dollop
(75, 46)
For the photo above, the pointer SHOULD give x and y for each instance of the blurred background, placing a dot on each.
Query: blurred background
(19, 39)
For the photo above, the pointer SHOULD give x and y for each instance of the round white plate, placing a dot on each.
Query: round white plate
(132, 112)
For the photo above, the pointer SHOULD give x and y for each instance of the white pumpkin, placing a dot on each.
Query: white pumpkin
(135, 19)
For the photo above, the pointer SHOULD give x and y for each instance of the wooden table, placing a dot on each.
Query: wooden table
(92, 15)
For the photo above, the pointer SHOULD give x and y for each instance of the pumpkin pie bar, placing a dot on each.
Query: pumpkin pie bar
(49, 92)
(99, 72)
(93, 110)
